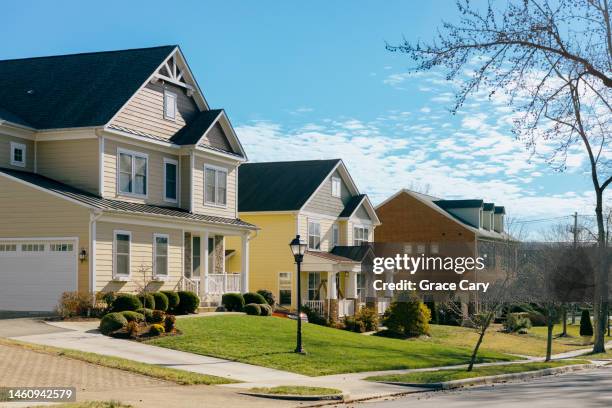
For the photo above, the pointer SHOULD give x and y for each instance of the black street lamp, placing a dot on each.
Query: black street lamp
(297, 249)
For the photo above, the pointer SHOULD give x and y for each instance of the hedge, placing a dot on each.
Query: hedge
(233, 302)
(251, 297)
(188, 303)
(173, 299)
(112, 322)
(161, 301)
(253, 309)
(126, 301)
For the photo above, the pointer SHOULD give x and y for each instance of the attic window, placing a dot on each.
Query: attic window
(18, 154)
(335, 181)
(169, 105)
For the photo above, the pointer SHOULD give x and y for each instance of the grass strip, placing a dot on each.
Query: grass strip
(295, 390)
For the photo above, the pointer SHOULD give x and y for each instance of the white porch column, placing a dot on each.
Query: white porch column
(244, 260)
(332, 292)
(388, 278)
(204, 265)
(351, 285)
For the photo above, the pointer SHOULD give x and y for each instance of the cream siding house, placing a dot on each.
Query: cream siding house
(113, 176)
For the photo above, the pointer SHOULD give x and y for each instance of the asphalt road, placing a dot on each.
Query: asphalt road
(591, 388)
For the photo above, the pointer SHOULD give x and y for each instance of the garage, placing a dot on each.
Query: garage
(35, 272)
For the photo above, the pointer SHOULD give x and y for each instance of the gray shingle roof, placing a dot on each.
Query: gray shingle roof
(191, 134)
(76, 90)
(97, 202)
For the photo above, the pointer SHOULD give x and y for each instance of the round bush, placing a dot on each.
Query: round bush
(268, 295)
(251, 297)
(188, 302)
(173, 299)
(112, 322)
(161, 301)
(147, 313)
(131, 316)
(158, 316)
(233, 302)
(157, 329)
(126, 301)
(169, 323)
(253, 309)
(147, 300)
(409, 317)
(266, 310)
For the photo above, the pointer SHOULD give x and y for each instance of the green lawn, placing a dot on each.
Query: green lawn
(428, 377)
(270, 341)
(295, 390)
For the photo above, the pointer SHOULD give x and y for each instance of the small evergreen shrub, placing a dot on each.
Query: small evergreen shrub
(368, 317)
(188, 302)
(352, 324)
(169, 323)
(515, 322)
(157, 329)
(409, 317)
(266, 310)
(126, 301)
(268, 295)
(147, 300)
(157, 316)
(112, 322)
(132, 316)
(314, 317)
(233, 302)
(147, 313)
(161, 301)
(251, 297)
(586, 327)
(252, 309)
(173, 299)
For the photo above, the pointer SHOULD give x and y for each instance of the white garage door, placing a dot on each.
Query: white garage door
(35, 273)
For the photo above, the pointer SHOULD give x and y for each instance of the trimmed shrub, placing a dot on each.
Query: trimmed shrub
(169, 323)
(147, 300)
(157, 329)
(126, 301)
(112, 322)
(352, 324)
(158, 316)
(268, 295)
(233, 302)
(188, 302)
(409, 317)
(314, 317)
(132, 316)
(368, 318)
(132, 328)
(147, 313)
(251, 297)
(586, 327)
(173, 299)
(252, 309)
(161, 301)
(74, 304)
(515, 322)
(266, 310)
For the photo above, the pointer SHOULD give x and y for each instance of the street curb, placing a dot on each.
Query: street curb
(287, 397)
(492, 379)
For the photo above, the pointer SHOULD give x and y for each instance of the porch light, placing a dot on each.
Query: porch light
(298, 248)
(83, 255)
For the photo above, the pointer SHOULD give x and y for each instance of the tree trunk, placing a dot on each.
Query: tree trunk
(549, 333)
(475, 352)
(564, 333)
(600, 301)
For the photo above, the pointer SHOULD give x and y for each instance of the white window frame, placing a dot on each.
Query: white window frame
(217, 170)
(335, 234)
(175, 163)
(316, 290)
(289, 274)
(167, 94)
(361, 240)
(15, 145)
(155, 274)
(134, 154)
(336, 186)
(316, 222)
(116, 276)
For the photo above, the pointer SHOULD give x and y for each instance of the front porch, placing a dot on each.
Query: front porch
(205, 265)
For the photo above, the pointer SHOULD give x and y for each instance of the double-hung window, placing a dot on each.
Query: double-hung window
(314, 235)
(170, 180)
(335, 235)
(215, 186)
(284, 288)
(336, 186)
(133, 171)
(361, 235)
(160, 253)
(18, 154)
(122, 254)
(169, 105)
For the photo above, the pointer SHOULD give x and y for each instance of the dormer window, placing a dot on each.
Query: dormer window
(18, 154)
(169, 105)
(336, 186)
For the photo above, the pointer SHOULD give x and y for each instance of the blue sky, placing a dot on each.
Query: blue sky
(313, 80)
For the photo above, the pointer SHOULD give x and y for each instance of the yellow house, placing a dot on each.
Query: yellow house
(319, 201)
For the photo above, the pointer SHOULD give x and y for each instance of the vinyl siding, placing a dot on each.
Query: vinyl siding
(141, 257)
(229, 211)
(145, 112)
(216, 138)
(185, 181)
(5, 152)
(74, 162)
(37, 214)
(324, 203)
(155, 182)
(326, 230)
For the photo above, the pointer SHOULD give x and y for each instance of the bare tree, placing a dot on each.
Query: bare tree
(553, 59)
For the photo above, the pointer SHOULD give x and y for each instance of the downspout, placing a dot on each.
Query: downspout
(93, 218)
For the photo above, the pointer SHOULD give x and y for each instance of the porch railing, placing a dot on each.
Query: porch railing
(220, 283)
(189, 285)
(346, 307)
(316, 305)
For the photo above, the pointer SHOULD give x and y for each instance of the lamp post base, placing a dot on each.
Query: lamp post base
(300, 351)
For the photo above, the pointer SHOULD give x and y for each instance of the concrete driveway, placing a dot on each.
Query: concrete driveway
(28, 326)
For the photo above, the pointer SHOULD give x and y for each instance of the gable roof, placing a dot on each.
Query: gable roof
(76, 90)
(192, 133)
(116, 206)
(452, 204)
(352, 205)
(488, 206)
(280, 186)
(500, 210)
(356, 253)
